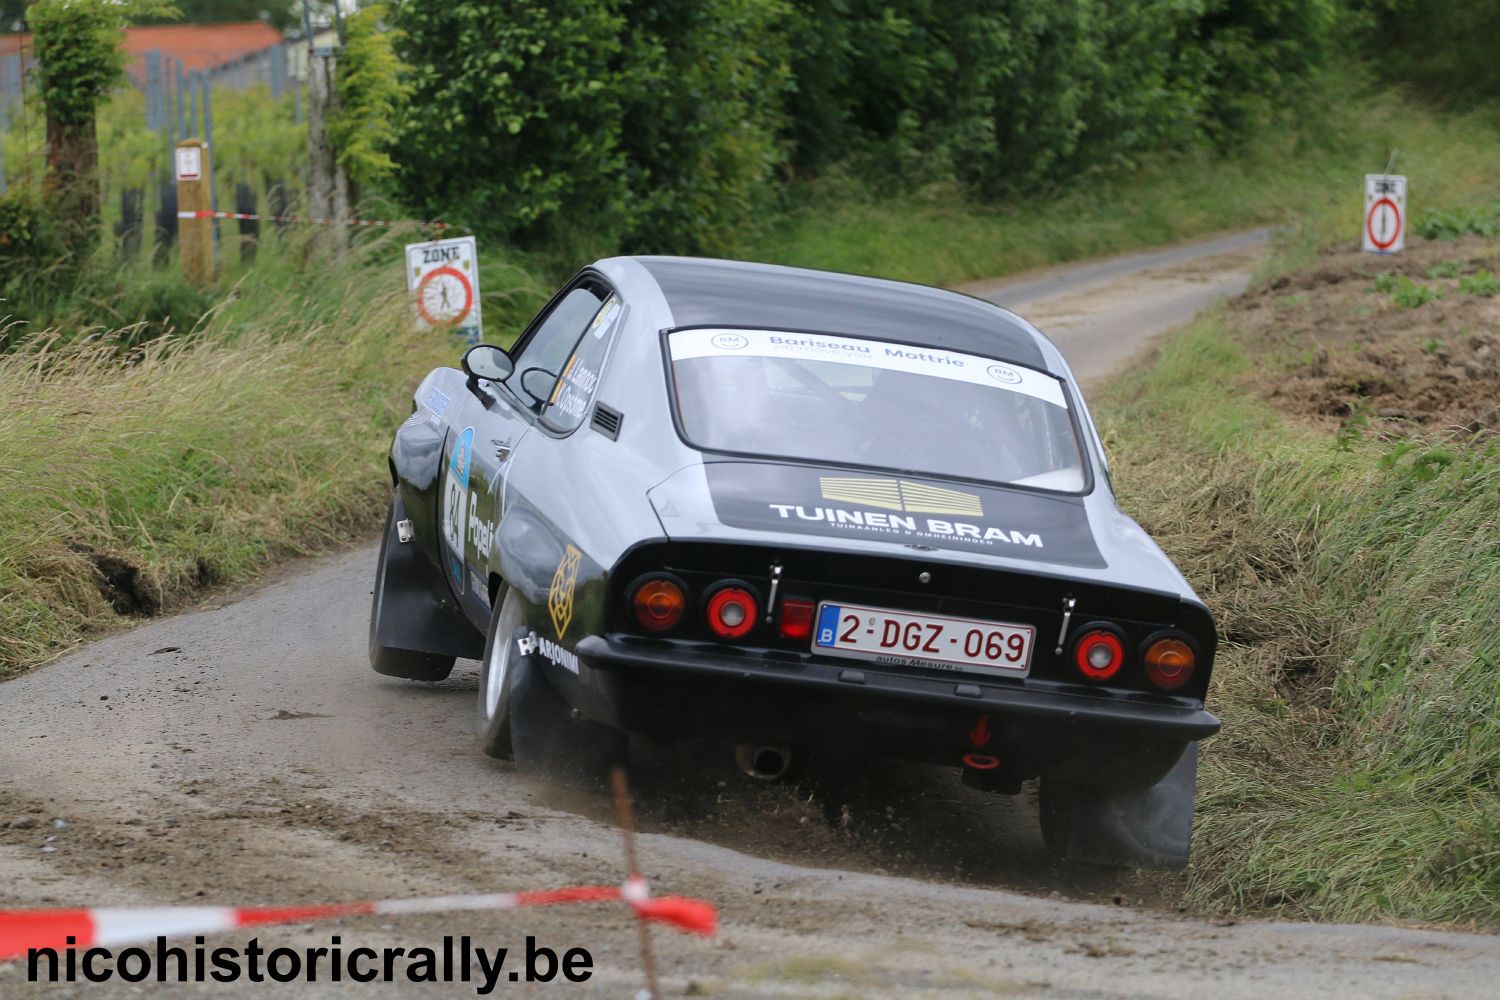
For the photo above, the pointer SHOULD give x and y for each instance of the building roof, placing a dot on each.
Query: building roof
(733, 293)
(198, 46)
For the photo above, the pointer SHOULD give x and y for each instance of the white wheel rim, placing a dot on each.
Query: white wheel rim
(500, 653)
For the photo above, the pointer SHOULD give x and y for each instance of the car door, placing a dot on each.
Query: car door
(494, 421)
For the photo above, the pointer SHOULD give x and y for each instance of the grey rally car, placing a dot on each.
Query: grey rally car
(785, 509)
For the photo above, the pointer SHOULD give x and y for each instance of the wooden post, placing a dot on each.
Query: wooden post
(195, 236)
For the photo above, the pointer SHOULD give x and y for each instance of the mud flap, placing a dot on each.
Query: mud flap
(412, 610)
(1148, 828)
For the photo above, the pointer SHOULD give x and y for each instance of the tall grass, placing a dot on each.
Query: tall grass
(129, 477)
(1307, 172)
(1358, 591)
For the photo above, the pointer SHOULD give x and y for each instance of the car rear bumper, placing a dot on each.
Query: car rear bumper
(671, 693)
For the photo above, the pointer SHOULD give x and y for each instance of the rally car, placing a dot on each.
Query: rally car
(784, 509)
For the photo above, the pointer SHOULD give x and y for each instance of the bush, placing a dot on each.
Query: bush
(513, 127)
(34, 258)
(700, 129)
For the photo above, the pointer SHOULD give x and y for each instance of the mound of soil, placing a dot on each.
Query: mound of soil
(1360, 351)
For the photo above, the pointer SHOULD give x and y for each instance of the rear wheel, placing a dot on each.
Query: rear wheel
(1148, 827)
(388, 660)
(500, 652)
(547, 739)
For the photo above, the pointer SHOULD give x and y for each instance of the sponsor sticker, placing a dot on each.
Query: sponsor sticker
(929, 361)
(1018, 525)
(560, 594)
(456, 503)
(437, 402)
(552, 651)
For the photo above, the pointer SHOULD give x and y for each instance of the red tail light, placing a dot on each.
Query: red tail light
(659, 604)
(1098, 653)
(796, 619)
(1169, 661)
(731, 612)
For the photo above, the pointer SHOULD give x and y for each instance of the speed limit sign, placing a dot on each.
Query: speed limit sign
(443, 279)
(1385, 213)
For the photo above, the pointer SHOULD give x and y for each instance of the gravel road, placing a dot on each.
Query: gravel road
(244, 753)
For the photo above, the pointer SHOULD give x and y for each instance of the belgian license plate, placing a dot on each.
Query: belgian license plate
(900, 638)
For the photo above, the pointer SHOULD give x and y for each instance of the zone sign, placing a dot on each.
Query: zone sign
(443, 279)
(1385, 213)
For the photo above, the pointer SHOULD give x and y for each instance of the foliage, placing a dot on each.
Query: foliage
(700, 128)
(78, 53)
(1354, 778)
(1408, 294)
(284, 15)
(371, 95)
(1482, 283)
(514, 120)
(1462, 221)
(1445, 48)
(1445, 269)
(1296, 177)
(32, 254)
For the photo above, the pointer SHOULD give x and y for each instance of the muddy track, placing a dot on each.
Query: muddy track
(244, 752)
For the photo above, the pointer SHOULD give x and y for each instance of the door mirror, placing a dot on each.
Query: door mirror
(487, 362)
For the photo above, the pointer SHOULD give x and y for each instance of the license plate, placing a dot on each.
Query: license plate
(900, 638)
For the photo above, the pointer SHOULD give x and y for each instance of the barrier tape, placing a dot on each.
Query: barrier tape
(23, 930)
(250, 216)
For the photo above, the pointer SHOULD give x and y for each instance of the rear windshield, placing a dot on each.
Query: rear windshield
(844, 400)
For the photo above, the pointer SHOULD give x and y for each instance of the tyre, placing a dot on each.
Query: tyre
(388, 660)
(500, 653)
(546, 738)
(1148, 827)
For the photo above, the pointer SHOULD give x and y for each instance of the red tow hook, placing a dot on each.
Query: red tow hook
(982, 770)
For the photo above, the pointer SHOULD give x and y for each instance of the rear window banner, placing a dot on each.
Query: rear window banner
(930, 361)
(891, 508)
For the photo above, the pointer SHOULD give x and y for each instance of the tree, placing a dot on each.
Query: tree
(79, 59)
(283, 15)
(514, 120)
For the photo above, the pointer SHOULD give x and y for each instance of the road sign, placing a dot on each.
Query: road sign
(189, 163)
(443, 278)
(1385, 213)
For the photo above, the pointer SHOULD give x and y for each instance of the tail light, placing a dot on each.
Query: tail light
(796, 620)
(1098, 652)
(1169, 660)
(731, 612)
(659, 604)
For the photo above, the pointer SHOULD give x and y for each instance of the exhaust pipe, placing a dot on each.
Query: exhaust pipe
(763, 763)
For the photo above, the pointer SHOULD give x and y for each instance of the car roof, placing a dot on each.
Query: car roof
(706, 292)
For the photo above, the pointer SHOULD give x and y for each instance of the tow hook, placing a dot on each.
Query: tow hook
(982, 771)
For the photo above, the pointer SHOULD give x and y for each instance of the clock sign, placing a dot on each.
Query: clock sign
(443, 279)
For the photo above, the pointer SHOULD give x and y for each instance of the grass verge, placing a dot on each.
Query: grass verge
(131, 478)
(1356, 580)
(1308, 175)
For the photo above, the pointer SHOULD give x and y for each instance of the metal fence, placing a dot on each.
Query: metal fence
(179, 101)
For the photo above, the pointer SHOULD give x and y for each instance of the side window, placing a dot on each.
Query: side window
(548, 348)
(580, 376)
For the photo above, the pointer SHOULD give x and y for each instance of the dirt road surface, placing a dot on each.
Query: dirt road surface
(244, 753)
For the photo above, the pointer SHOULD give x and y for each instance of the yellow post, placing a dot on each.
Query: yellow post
(195, 236)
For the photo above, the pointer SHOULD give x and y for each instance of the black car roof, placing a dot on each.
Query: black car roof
(735, 293)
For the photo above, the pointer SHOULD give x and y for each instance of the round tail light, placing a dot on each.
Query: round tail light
(659, 604)
(731, 612)
(1098, 653)
(1169, 661)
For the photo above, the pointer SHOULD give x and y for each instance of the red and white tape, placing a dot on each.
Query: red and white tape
(250, 216)
(22, 930)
